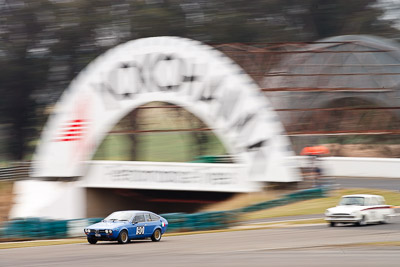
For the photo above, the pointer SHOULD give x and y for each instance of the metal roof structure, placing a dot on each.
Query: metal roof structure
(339, 86)
(350, 62)
(320, 85)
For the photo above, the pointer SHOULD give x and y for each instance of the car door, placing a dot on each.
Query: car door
(150, 225)
(131, 229)
(373, 211)
(139, 226)
(384, 209)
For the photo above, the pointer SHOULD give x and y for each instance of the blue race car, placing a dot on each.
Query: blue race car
(123, 226)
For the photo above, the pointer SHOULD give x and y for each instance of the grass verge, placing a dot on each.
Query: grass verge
(38, 243)
(319, 205)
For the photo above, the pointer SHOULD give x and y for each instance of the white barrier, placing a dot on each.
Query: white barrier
(359, 167)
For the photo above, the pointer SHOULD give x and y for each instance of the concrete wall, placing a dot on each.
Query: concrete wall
(358, 167)
(48, 199)
(69, 200)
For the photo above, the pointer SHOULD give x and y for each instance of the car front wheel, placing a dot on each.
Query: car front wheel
(156, 235)
(332, 224)
(92, 240)
(363, 221)
(123, 237)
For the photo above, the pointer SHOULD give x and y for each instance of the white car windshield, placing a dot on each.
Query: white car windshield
(119, 216)
(358, 201)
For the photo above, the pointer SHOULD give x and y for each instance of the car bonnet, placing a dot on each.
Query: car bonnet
(108, 225)
(346, 209)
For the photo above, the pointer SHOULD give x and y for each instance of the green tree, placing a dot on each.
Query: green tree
(44, 44)
(24, 65)
(341, 17)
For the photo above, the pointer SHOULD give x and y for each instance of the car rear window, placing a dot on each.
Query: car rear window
(154, 217)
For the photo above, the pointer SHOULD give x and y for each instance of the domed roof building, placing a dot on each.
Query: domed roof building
(344, 84)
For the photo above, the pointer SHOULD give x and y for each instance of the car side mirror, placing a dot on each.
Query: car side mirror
(134, 222)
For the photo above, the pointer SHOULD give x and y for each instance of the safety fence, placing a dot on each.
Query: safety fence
(38, 228)
(15, 171)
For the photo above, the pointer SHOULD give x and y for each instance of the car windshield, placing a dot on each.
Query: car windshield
(358, 201)
(119, 216)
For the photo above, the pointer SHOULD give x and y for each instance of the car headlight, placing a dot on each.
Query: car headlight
(87, 230)
(327, 213)
(108, 231)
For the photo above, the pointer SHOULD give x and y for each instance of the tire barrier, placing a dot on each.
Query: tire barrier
(39, 228)
(34, 228)
(183, 222)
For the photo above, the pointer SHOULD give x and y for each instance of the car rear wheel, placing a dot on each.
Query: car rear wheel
(156, 235)
(386, 219)
(123, 237)
(92, 240)
(332, 224)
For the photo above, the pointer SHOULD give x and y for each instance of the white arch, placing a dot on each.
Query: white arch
(170, 69)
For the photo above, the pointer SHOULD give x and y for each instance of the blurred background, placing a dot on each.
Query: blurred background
(331, 69)
(327, 88)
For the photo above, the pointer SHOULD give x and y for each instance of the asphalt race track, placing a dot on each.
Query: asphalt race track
(313, 245)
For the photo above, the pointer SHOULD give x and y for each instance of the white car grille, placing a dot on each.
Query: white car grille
(341, 215)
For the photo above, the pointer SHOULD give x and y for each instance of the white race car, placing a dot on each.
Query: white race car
(360, 209)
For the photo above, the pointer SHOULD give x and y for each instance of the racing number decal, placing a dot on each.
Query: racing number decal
(140, 230)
